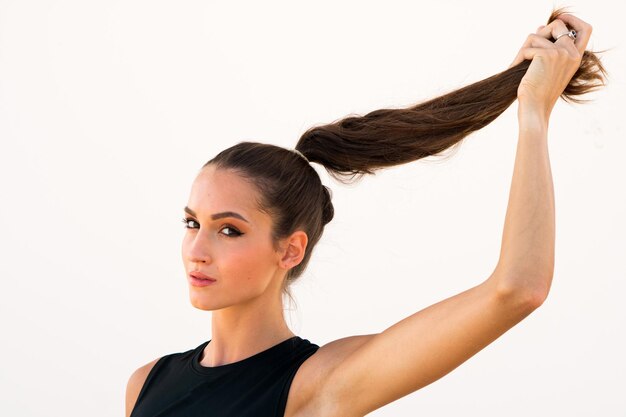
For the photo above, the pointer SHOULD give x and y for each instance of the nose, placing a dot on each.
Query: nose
(196, 248)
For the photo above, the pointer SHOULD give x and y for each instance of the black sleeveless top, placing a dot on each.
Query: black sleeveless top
(178, 386)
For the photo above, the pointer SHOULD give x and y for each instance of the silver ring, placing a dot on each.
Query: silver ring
(571, 34)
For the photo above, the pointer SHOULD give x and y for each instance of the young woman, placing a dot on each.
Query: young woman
(256, 211)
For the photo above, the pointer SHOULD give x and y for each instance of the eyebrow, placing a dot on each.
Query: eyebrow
(219, 215)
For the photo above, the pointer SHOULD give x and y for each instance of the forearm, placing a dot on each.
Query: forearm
(526, 258)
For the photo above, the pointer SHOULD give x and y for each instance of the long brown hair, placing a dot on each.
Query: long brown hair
(291, 190)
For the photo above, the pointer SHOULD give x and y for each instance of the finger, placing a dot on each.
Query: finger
(582, 28)
(533, 41)
(529, 53)
(556, 28)
(562, 36)
(538, 41)
(553, 29)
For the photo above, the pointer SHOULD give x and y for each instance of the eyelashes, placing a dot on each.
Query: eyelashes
(186, 222)
(234, 231)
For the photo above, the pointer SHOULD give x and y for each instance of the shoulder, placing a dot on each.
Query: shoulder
(306, 391)
(135, 383)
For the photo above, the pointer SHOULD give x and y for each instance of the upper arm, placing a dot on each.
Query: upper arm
(135, 382)
(422, 348)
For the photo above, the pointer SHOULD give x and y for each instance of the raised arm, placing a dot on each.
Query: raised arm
(432, 342)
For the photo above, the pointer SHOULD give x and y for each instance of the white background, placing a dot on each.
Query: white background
(109, 108)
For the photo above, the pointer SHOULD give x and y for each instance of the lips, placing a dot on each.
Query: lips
(200, 275)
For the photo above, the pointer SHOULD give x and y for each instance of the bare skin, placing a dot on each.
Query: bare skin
(345, 377)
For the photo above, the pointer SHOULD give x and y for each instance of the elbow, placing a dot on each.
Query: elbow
(536, 297)
(530, 294)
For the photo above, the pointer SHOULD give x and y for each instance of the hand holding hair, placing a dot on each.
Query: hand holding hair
(553, 63)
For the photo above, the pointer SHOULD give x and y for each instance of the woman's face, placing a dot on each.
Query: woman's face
(236, 251)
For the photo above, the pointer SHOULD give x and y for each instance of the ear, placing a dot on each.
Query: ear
(293, 248)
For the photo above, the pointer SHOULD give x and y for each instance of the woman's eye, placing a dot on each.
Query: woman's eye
(232, 229)
(187, 221)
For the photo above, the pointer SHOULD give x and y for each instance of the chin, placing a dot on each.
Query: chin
(204, 303)
(209, 302)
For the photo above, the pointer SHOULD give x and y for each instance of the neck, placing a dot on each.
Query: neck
(242, 330)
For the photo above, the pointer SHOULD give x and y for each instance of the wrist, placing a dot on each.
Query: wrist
(530, 118)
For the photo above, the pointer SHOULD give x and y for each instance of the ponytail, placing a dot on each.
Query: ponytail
(358, 145)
